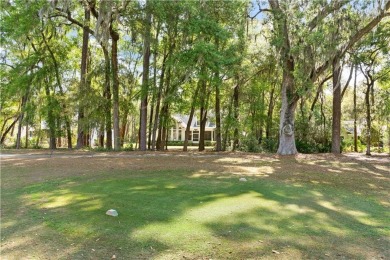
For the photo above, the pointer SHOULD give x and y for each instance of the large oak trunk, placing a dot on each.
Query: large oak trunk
(84, 57)
(336, 119)
(287, 117)
(286, 128)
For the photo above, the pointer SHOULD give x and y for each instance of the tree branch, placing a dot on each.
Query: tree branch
(366, 29)
(325, 12)
(68, 16)
(347, 83)
(260, 11)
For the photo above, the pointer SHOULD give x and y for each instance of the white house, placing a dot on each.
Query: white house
(177, 132)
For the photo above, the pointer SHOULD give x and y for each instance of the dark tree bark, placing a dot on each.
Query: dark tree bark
(156, 124)
(145, 82)
(203, 120)
(370, 84)
(271, 106)
(218, 146)
(107, 95)
(8, 129)
(191, 116)
(83, 78)
(115, 87)
(336, 110)
(50, 117)
(203, 111)
(236, 96)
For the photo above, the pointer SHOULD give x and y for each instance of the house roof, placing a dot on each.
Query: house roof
(183, 120)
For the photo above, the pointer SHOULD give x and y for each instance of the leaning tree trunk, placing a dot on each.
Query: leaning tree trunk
(336, 111)
(188, 127)
(9, 128)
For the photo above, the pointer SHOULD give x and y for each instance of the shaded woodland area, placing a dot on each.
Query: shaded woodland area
(279, 76)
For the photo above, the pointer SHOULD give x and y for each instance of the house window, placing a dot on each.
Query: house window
(174, 132)
(179, 136)
(207, 135)
(195, 136)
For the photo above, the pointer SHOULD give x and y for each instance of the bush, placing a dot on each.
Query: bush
(270, 145)
(250, 144)
(312, 147)
(128, 147)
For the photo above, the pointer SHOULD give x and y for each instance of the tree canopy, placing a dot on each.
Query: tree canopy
(279, 76)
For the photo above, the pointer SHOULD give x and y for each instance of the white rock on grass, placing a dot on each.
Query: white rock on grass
(112, 212)
(243, 179)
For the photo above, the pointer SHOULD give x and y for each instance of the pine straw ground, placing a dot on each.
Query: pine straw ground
(176, 205)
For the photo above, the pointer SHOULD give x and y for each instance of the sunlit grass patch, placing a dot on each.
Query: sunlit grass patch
(197, 213)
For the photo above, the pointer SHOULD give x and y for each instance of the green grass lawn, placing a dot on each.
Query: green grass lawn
(288, 208)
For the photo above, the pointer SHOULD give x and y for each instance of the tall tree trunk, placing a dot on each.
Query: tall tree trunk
(189, 122)
(107, 95)
(59, 85)
(203, 111)
(26, 144)
(115, 87)
(164, 115)
(287, 115)
(227, 125)
(370, 82)
(323, 117)
(236, 96)
(83, 78)
(355, 136)
(50, 117)
(123, 126)
(336, 110)
(39, 132)
(59, 132)
(145, 82)
(218, 146)
(203, 120)
(101, 136)
(152, 108)
(21, 116)
(159, 94)
(270, 112)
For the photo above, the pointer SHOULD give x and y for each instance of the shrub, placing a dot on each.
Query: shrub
(270, 145)
(250, 144)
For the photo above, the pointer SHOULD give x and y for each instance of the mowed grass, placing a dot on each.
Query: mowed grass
(193, 206)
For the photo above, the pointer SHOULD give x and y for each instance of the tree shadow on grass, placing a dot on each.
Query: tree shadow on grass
(171, 214)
